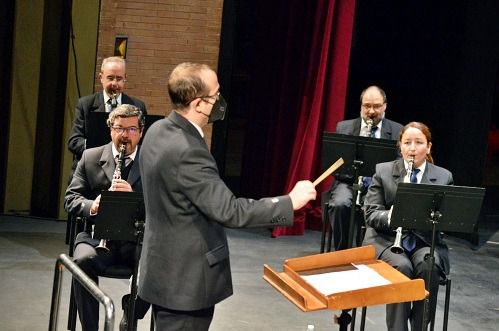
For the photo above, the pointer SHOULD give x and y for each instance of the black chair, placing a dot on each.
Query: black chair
(113, 271)
(443, 282)
(447, 283)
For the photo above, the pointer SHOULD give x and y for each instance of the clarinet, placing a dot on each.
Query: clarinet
(360, 180)
(397, 244)
(116, 175)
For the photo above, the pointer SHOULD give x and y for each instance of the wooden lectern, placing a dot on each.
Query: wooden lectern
(292, 284)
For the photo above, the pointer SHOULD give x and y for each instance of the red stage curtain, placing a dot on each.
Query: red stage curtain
(322, 103)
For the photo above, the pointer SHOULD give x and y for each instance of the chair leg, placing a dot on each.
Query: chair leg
(363, 319)
(354, 316)
(325, 221)
(152, 320)
(447, 302)
(72, 314)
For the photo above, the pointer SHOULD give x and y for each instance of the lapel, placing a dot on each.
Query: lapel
(398, 171)
(107, 162)
(125, 99)
(134, 174)
(185, 125)
(386, 130)
(429, 174)
(98, 104)
(357, 123)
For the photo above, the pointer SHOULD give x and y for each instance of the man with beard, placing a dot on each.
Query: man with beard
(371, 123)
(93, 174)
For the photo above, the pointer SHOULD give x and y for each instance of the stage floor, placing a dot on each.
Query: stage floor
(29, 248)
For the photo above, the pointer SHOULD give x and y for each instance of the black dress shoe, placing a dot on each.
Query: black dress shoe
(124, 320)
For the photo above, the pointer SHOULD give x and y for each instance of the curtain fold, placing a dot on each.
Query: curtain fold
(322, 103)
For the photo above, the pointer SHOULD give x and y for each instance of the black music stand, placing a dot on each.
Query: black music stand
(429, 207)
(361, 154)
(98, 131)
(121, 217)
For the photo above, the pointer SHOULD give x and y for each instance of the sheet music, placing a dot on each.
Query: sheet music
(343, 281)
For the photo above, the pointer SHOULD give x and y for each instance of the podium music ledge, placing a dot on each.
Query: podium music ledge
(294, 283)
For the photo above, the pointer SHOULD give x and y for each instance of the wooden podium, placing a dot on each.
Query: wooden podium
(292, 284)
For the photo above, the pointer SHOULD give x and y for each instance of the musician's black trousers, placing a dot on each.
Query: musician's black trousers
(93, 264)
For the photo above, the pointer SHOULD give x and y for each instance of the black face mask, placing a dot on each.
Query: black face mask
(219, 110)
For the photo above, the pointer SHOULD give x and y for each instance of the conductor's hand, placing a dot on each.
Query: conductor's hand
(303, 192)
(121, 185)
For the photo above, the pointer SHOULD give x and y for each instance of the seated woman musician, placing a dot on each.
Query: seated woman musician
(416, 166)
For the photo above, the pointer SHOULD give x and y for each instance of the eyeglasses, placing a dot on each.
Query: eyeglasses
(216, 96)
(376, 106)
(118, 79)
(132, 131)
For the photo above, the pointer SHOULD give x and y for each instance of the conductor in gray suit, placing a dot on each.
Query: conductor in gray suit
(373, 106)
(415, 142)
(184, 266)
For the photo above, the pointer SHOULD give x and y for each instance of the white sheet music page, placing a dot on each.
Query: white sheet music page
(342, 281)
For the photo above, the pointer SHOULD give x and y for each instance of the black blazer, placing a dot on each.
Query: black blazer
(185, 255)
(94, 173)
(87, 104)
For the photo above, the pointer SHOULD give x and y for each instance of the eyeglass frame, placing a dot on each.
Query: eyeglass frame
(118, 79)
(131, 130)
(376, 106)
(216, 96)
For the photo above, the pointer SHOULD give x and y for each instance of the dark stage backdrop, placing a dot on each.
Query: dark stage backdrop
(289, 65)
(437, 61)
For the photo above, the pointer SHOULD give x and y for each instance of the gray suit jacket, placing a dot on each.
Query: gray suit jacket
(87, 104)
(389, 129)
(185, 256)
(381, 196)
(93, 174)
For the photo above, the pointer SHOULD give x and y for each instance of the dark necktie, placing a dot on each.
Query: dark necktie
(409, 242)
(126, 168)
(414, 176)
(366, 181)
(112, 105)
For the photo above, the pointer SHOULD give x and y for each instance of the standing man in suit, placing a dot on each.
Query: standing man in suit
(113, 78)
(415, 142)
(93, 174)
(371, 123)
(184, 267)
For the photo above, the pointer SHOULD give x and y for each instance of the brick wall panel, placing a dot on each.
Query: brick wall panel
(161, 34)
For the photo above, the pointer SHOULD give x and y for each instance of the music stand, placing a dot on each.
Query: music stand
(360, 154)
(97, 131)
(121, 217)
(436, 207)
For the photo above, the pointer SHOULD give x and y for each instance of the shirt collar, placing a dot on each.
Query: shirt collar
(364, 126)
(116, 153)
(197, 128)
(106, 98)
(421, 168)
